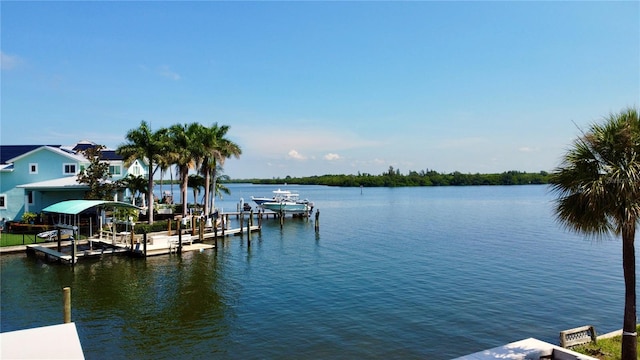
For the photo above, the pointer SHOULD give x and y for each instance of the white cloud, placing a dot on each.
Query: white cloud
(527, 149)
(8, 62)
(331, 157)
(168, 73)
(296, 155)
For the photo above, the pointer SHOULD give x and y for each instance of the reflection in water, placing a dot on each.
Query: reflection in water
(171, 304)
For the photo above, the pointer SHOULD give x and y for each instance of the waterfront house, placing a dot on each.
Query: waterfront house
(33, 177)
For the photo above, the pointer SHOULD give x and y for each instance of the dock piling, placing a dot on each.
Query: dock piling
(179, 237)
(66, 302)
(248, 233)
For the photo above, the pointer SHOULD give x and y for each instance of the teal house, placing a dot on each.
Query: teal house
(33, 177)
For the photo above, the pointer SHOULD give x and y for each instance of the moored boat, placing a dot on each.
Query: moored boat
(285, 201)
(52, 235)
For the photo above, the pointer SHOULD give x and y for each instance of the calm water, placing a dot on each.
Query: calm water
(424, 273)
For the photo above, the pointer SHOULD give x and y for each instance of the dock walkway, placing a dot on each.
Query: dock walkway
(49, 253)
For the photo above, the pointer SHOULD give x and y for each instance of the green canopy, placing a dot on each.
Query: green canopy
(74, 207)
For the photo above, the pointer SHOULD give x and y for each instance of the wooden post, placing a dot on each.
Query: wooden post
(59, 240)
(193, 225)
(66, 304)
(201, 230)
(281, 218)
(317, 224)
(225, 218)
(73, 250)
(248, 234)
(179, 237)
(168, 227)
(260, 213)
(241, 220)
(144, 242)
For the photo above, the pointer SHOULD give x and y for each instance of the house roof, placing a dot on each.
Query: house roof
(67, 182)
(70, 155)
(8, 152)
(74, 207)
(110, 155)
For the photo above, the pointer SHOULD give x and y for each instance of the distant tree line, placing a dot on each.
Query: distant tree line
(393, 178)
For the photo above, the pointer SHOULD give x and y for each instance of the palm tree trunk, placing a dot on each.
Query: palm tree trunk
(629, 335)
(161, 181)
(207, 180)
(150, 194)
(184, 174)
(171, 179)
(213, 189)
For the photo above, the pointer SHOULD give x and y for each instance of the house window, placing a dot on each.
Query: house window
(30, 197)
(135, 170)
(33, 168)
(3, 201)
(69, 169)
(115, 170)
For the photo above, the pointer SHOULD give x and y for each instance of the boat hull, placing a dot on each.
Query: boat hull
(291, 208)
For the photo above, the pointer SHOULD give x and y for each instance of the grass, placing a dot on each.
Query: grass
(7, 239)
(604, 349)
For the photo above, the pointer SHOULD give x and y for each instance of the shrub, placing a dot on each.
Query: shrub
(28, 217)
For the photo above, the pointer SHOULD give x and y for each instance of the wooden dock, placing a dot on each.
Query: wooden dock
(195, 237)
(163, 243)
(49, 252)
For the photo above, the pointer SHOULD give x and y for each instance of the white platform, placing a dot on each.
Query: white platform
(527, 349)
(49, 342)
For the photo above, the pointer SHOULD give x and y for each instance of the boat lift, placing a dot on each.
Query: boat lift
(69, 218)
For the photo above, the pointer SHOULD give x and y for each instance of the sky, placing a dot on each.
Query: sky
(324, 87)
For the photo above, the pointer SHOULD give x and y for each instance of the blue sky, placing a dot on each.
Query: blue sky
(312, 88)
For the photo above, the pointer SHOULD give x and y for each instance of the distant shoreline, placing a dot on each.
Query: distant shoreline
(423, 178)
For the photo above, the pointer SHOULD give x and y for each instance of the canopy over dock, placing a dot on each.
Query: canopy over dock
(75, 207)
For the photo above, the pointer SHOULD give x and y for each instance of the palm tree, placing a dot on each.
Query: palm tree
(220, 188)
(185, 153)
(598, 188)
(195, 182)
(221, 150)
(136, 184)
(144, 144)
(216, 148)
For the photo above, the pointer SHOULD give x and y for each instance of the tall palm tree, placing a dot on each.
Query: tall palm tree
(142, 143)
(185, 153)
(598, 188)
(215, 149)
(222, 149)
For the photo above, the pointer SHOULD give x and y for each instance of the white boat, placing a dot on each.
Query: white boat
(52, 235)
(277, 196)
(285, 201)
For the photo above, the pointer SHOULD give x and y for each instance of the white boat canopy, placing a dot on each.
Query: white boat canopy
(75, 207)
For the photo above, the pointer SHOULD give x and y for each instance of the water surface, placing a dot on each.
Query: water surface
(411, 273)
